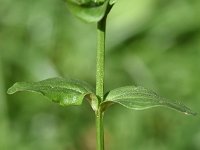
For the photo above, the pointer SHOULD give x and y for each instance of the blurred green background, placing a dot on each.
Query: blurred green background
(152, 43)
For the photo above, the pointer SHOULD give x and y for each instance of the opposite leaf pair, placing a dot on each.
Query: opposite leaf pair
(72, 92)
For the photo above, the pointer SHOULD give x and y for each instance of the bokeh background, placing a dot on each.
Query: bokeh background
(152, 43)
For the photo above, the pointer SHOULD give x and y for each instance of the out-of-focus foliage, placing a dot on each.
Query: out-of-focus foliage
(152, 43)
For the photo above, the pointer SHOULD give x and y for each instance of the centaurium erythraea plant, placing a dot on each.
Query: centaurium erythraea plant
(67, 92)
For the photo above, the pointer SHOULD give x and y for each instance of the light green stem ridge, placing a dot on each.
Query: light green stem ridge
(99, 131)
(4, 122)
(101, 27)
(101, 30)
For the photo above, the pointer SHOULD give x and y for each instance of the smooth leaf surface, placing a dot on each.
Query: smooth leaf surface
(88, 10)
(59, 90)
(139, 98)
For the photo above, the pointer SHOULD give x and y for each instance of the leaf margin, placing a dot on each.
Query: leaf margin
(86, 93)
(161, 102)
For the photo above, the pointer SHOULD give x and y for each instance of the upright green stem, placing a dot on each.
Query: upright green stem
(99, 131)
(101, 27)
(101, 30)
(4, 125)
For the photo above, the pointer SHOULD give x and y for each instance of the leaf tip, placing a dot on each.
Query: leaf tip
(191, 113)
(12, 89)
(186, 110)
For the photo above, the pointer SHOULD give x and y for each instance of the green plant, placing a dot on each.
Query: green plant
(68, 92)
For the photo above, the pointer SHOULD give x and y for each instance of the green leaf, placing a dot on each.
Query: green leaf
(88, 10)
(63, 91)
(139, 98)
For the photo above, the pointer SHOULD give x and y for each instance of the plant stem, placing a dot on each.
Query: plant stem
(4, 125)
(101, 30)
(99, 131)
(101, 27)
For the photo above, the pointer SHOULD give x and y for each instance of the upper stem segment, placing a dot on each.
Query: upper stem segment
(101, 32)
(101, 29)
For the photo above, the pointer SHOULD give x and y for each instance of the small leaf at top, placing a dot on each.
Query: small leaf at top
(139, 98)
(88, 10)
(59, 90)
